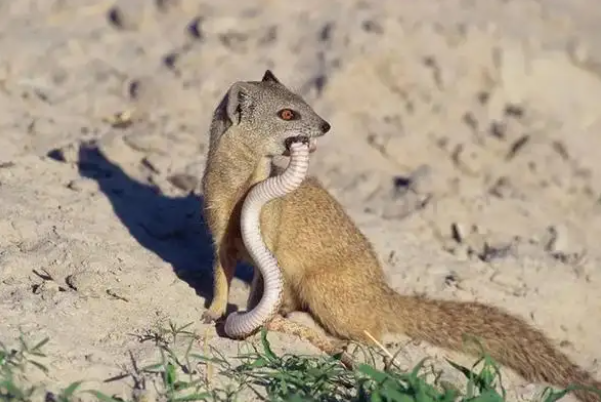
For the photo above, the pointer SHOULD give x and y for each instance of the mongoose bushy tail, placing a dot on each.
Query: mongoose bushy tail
(507, 339)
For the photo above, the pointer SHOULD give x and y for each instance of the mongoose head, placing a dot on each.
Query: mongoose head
(266, 114)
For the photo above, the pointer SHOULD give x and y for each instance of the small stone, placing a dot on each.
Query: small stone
(498, 129)
(517, 146)
(183, 181)
(372, 26)
(502, 188)
(194, 28)
(558, 241)
(66, 154)
(170, 60)
(489, 253)
(47, 289)
(85, 283)
(470, 120)
(125, 15)
(515, 111)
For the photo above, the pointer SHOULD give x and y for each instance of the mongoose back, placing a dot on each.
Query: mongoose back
(330, 268)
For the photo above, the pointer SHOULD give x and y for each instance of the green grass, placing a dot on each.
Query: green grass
(188, 375)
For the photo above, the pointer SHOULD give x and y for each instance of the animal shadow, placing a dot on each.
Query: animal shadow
(171, 227)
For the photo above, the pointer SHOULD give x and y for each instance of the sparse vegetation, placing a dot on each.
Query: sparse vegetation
(189, 376)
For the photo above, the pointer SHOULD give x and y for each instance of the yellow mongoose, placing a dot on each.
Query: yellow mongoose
(330, 268)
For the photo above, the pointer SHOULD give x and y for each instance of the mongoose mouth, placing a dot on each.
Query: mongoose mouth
(312, 145)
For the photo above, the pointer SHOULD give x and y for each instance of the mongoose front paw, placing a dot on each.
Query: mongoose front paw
(209, 317)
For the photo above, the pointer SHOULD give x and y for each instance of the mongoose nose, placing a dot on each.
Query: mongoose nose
(325, 127)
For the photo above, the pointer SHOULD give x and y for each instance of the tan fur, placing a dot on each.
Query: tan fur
(332, 272)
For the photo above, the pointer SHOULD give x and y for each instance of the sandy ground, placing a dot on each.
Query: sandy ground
(463, 143)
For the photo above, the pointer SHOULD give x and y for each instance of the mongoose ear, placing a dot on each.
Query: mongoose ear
(239, 102)
(269, 77)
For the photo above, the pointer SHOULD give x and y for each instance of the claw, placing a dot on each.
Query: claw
(209, 317)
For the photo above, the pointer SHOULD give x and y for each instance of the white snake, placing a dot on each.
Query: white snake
(239, 325)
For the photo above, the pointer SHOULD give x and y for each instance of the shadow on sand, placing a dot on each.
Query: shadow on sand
(172, 228)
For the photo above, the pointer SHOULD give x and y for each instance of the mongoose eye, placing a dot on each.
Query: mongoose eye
(288, 114)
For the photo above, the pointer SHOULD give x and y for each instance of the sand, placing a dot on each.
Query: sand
(463, 144)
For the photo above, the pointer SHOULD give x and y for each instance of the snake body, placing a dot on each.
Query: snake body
(239, 325)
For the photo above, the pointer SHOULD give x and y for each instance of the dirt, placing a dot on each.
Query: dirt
(463, 144)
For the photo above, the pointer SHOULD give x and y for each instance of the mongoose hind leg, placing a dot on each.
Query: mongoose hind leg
(346, 312)
(224, 269)
(329, 346)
